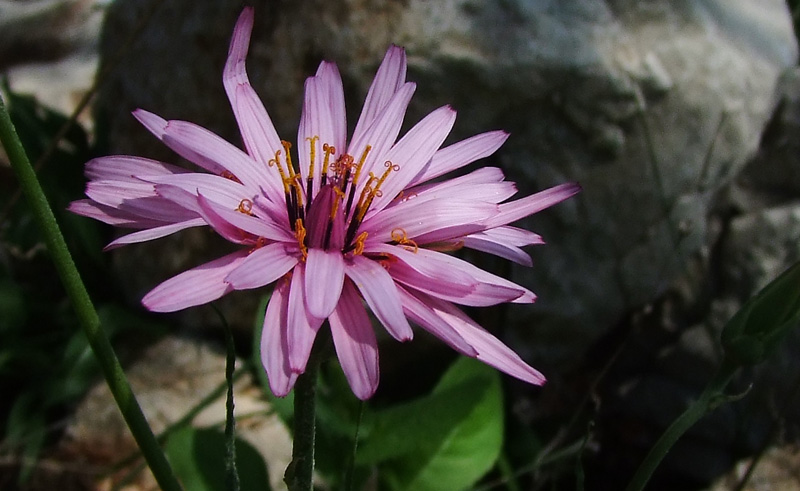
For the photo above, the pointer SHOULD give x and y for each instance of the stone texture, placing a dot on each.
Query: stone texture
(652, 106)
(49, 48)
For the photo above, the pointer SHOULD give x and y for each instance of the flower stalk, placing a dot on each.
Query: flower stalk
(707, 402)
(299, 473)
(86, 313)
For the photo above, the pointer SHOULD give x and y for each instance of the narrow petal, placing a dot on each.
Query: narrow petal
(416, 308)
(316, 130)
(355, 343)
(486, 243)
(485, 184)
(110, 215)
(255, 125)
(324, 279)
(521, 208)
(490, 349)
(432, 220)
(223, 191)
(460, 154)
(263, 266)
(235, 225)
(389, 78)
(196, 286)
(415, 270)
(487, 288)
(208, 150)
(414, 150)
(302, 327)
(125, 167)
(274, 348)
(154, 233)
(380, 292)
(331, 81)
(382, 133)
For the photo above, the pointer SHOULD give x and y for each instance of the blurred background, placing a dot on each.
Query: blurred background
(680, 119)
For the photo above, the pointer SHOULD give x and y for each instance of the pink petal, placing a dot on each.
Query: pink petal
(331, 81)
(196, 286)
(415, 306)
(222, 226)
(460, 154)
(234, 225)
(433, 220)
(504, 242)
(274, 348)
(355, 343)
(263, 266)
(324, 279)
(414, 150)
(485, 184)
(125, 167)
(302, 327)
(255, 125)
(429, 276)
(485, 243)
(490, 349)
(388, 80)
(110, 215)
(382, 133)
(217, 189)
(201, 146)
(487, 289)
(521, 208)
(154, 233)
(380, 292)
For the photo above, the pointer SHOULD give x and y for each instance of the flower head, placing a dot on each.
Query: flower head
(333, 224)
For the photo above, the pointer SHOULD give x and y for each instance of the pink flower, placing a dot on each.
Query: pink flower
(340, 225)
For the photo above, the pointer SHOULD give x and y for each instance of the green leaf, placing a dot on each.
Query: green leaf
(198, 458)
(754, 332)
(445, 441)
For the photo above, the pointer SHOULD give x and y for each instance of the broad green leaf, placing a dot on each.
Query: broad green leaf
(445, 441)
(198, 459)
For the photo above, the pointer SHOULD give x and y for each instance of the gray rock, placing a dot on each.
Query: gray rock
(652, 106)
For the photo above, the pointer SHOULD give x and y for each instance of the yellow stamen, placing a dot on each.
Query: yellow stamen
(389, 168)
(358, 245)
(246, 207)
(399, 235)
(336, 202)
(286, 146)
(329, 150)
(300, 234)
(365, 199)
(312, 141)
(361, 163)
(277, 163)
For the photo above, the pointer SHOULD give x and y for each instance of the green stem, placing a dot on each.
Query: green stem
(232, 476)
(702, 406)
(87, 316)
(298, 476)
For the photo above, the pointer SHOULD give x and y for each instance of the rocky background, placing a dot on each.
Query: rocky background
(679, 119)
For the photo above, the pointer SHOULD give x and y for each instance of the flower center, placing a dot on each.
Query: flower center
(328, 218)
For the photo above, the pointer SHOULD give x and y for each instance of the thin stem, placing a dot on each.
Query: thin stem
(298, 476)
(231, 474)
(702, 406)
(87, 316)
(348, 478)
